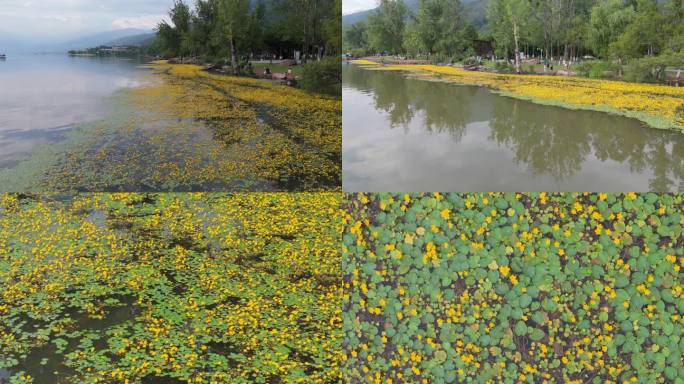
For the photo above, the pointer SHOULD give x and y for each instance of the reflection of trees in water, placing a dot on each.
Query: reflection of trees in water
(669, 153)
(388, 89)
(392, 95)
(443, 110)
(557, 141)
(532, 134)
(549, 140)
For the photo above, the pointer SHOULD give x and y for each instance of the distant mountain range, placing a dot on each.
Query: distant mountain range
(138, 40)
(476, 10)
(130, 36)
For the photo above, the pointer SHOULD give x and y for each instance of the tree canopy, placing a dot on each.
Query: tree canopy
(618, 30)
(239, 29)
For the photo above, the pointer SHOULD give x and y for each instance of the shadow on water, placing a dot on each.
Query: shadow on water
(402, 133)
(46, 363)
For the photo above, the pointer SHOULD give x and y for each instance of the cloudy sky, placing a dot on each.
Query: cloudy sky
(65, 18)
(351, 6)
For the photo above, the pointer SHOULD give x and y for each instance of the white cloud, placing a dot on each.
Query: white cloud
(351, 6)
(63, 18)
(141, 22)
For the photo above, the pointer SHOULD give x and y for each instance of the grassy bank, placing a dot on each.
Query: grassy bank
(260, 67)
(657, 105)
(170, 288)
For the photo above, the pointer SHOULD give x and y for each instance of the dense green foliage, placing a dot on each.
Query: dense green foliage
(612, 30)
(236, 29)
(170, 288)
(323, 76)
(386, 26)
(509, 287)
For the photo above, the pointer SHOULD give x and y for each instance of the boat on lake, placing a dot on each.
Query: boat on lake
(3, 56)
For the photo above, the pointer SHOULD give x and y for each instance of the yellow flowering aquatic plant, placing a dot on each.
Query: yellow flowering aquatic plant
(513, 288)
(188, 130)
(659, 106)
(197, 288)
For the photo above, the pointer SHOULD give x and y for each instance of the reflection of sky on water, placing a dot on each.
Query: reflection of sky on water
(17, 144)
(40, 95)
(412, 135)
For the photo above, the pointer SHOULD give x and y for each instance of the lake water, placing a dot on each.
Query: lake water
(110, 125)
(43, 95)
(406, 134)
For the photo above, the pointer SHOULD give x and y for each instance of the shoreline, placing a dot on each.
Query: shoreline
(188, 129)
(658, 106)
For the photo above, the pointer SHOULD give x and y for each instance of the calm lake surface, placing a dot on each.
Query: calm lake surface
(43, 95)
(404, 134)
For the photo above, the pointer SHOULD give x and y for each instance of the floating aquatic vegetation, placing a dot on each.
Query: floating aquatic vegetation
(572, 288)
(190, 130)
(114, 288)
(659, 106)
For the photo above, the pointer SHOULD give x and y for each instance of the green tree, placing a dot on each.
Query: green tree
(576, 35)
(356, 35)
(643, 34)
(308, 24)
(513, 21)
(256, 32)
(175, 39)
(442, 27)
(499, 28)
(412, 41)
(205, 30)
(233, 14)
(609, 19)
(181, 17)
(674, 32)
(518, 13)
(386, 26)
(332, 28)
(168, 40)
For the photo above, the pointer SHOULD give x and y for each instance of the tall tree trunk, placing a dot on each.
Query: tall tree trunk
(233, 54)
(518, 69)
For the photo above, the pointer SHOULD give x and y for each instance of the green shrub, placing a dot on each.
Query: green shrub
(441, 58)
(600, 69)
(639, 71)
(359, 52)
(652, 69)
(324, 76)
(503, 66)
(471, 61)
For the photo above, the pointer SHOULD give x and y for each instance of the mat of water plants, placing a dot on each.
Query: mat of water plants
(514, 288)
(170, 288)
(658, 105)
(191, 130)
